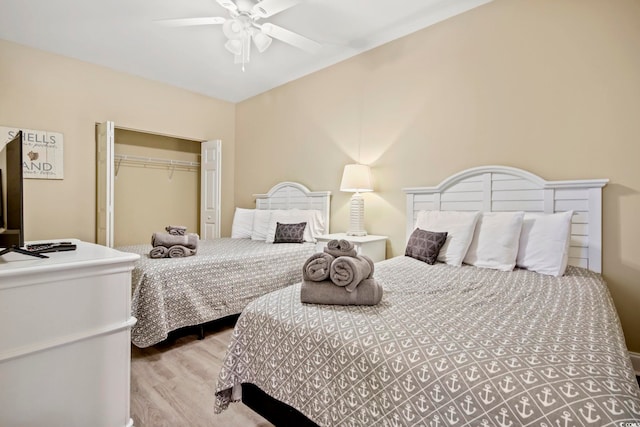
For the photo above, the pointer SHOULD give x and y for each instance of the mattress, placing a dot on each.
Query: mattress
(446, 346)
(220, 280)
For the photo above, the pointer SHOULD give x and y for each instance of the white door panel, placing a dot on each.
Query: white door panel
(105, 138)
(210, 162)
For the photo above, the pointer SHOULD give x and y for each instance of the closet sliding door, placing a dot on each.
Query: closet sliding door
(105, 139)
(210, 189)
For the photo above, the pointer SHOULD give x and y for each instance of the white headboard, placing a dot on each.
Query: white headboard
(503, 188)
(292, 195)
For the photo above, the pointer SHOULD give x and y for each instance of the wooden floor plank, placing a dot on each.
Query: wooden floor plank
(173, 383)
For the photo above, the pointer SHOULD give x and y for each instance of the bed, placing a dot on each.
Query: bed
(226, 273)
(449, 345)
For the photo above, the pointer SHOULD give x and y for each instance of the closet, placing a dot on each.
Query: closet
(146, 181)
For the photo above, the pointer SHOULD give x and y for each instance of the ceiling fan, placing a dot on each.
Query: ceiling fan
(243, 27)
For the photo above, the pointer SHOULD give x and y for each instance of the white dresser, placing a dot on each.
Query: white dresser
(65, 338)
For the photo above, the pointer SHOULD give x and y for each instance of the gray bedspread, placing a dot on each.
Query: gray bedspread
(220, 280)
(446, 346)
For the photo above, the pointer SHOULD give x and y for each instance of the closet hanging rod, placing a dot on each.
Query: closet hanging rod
(154, 161)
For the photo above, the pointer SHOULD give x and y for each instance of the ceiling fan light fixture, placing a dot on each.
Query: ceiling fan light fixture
(234, 46)
(244, 25)
(233, 29)
(241, 50)
(262, 41)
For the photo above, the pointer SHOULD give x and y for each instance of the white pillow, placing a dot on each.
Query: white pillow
(313, 218)
(544, 243)
(260, 224)
(458, 225)
(242, 226)
(495, 241)
(315, 222)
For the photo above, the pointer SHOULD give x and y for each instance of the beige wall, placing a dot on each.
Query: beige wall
(549, 86)
(43, 91)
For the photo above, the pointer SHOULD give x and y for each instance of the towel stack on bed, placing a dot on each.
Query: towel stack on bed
(339, 276)
(175, 243)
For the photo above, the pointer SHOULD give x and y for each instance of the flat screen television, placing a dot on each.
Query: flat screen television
(12, 225)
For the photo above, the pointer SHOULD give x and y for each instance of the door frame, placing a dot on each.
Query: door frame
(105, 177)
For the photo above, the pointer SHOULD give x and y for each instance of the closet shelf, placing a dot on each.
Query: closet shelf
(151, 161)
(154, 161)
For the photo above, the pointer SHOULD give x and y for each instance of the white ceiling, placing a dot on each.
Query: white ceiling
(124, 35)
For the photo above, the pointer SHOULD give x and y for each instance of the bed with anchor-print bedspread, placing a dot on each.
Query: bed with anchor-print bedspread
(447, 346)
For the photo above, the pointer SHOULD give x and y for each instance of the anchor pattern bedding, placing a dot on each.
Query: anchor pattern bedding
(224, 276)
(446, 346)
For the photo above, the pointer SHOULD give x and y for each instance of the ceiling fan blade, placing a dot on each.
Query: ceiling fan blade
(267, 8)
(290, 37)
(228, 4)
(185, 22)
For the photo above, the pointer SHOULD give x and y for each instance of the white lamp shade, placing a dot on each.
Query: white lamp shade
(234, 46)
(356, 178)
(261, 40)
(233, 29)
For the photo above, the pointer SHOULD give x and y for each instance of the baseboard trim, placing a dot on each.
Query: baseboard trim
(635, 361)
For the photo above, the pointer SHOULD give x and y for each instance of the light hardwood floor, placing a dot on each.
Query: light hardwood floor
(173, 383)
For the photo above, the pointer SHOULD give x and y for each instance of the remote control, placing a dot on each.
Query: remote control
(51, 247)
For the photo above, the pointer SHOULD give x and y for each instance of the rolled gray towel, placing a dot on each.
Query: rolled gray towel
(340, 247)
(350, 271)
(158, 252)
(179, 251)
(167, 240)
(176, 230)
(317, 267)
(369, 292)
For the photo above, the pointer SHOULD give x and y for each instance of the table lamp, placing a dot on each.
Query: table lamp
(356, 178)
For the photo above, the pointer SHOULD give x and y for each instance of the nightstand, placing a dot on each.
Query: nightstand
(375, 247)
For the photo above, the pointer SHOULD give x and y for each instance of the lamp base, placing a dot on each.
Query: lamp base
(356, 218)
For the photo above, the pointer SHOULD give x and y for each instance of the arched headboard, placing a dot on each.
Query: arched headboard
(503, 188)
(292, 195)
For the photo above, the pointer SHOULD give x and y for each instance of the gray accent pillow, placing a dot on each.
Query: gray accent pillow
(425, 245)
(289, 233)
